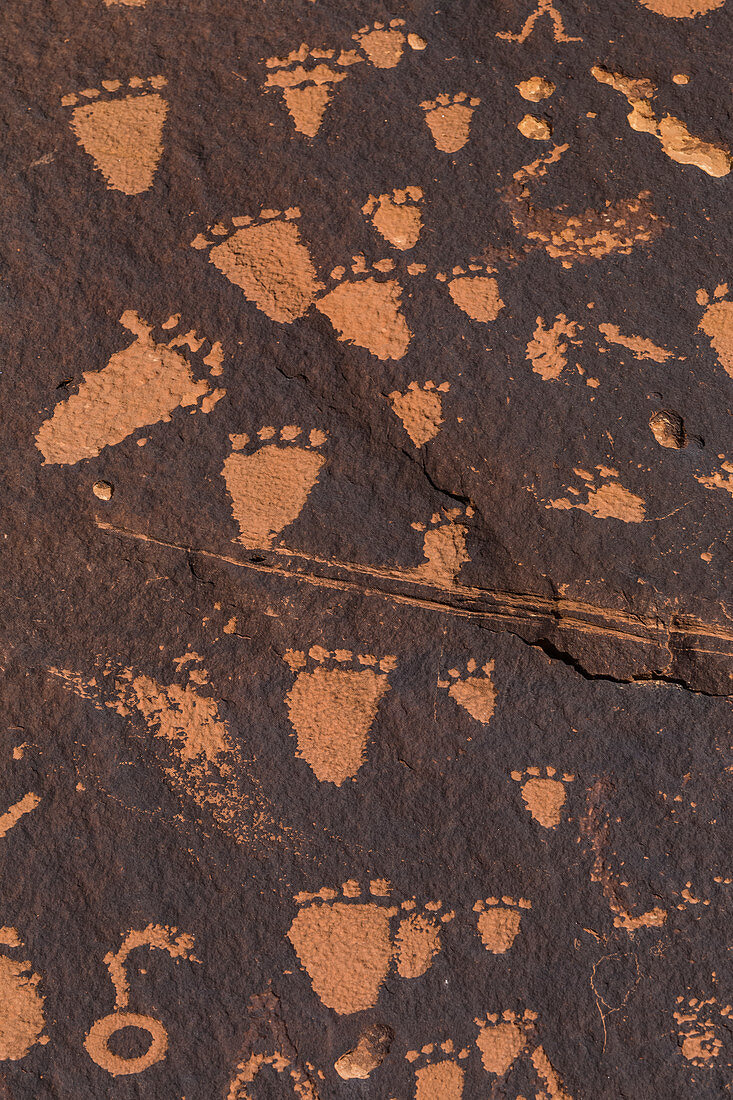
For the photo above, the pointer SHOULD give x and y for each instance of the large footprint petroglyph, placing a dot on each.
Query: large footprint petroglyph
(141, 385)
(449, 119)
(544, 794)
(365, 309)
(439, 1074)
(420, 408)
(121, 130)
(396, 216)
(270, 482)
(474, 691)
(22, 1017)
(347, 947)
(502, 1039)
(474, 291)
(332, 706)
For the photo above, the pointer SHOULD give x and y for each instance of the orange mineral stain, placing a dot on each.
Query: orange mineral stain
(122, 134)
(548, 349)
(21, 1004)
(142, 384)
(420, 409)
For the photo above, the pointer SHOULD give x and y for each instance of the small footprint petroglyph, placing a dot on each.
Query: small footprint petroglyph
(544, 794)
(449, 120)
(332, 706)
(141, 385)
(439, 1074)
(717, 324)
(420, 408)
(365, 309)
(270, 481)
(702, 1024)
(474, 691)
(474, 291)
(121, 128)
(609, 500)
(348, 946)
(396, 216)
(22, 1018)
(267, 260)
(503, 1039)
(383, 43)
(499, 921)
(444, 548)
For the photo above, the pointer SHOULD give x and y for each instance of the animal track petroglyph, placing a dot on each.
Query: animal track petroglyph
(717, 324)
(499, 921)
(702, 1025)
(474, 691)
(439, 1074)
(365, 309)
(501, 1039)
(121, 129)
(270, 483)
(382, 43)
(267, 260)
(420, 408)
(610, 500)
(396, 216)
(332, 707)
(22, 1018)
(247, 1071)
(548, 349)
(682, 9)
(474, 291)
(141, 385)
(544, 7)
(449, 119)
(348, 946)
(544, 794)
(444, 548)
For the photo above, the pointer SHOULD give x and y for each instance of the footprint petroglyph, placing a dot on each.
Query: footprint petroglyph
(548, 349)
(449, 119)
(121, 128)
(682, 9)
(717, 324)
(473, 690)
(420, 408)
(266, 258)
(544, 8)
(673, 135)
(22, 1017)
(439, 1074)
(544, 793)
(499, 921)
(607, 500)
(702, 1024)
(301, 1080)
(383, 43)
(332, 706)
(396, 216)
(503, 1039)
(348, 941)
(97, 1041)
(141, 385)
(444, 548)
(365, 309)
(269, 480)
(474, 291)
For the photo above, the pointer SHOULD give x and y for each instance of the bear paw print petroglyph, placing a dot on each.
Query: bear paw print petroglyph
(21, 1003)
(270, 482)
(544, 794)
(396, 216)
(420, 408)
(438, 1071)
(332, 706)
(444, 548)
(121, 128)
(449, 119)
(717, 324)
(348, 946)
(141, 385)
(499, 921)
(682, 9)
(501, 1039)
(702, 1026)
(609, 500)
(267, 260)
(308, 76)
(365, 309)
(474, 291)
(474, 691)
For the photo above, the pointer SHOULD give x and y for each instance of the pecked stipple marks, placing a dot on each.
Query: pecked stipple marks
(332, 706)
(121, 129)
(548, 349)
(22, 1017)
(141, 385)
(420, 408)
(248, 1070)
(270, 483)
(474, 691)
(544, 8)
(702, 1026)
(348, 946)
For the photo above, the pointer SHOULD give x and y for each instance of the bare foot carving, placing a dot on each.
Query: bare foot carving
(717, 324)
(382, 44)
(544, 795)
(268, 261)
(420, 409)
(449, 120)
(475, 692)
(609, 500)
(366, 311)
(332, 706)
(474, 292)
(141, 385)
(347, 946)
(444, 547)
(438, 1072)
(396, 216)
(121, 129)
(499, 921)
(701, 1025)
(22, 1018)
(270, 484)
(307, 77)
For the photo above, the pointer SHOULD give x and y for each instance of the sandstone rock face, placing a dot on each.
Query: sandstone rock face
(366, 640)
